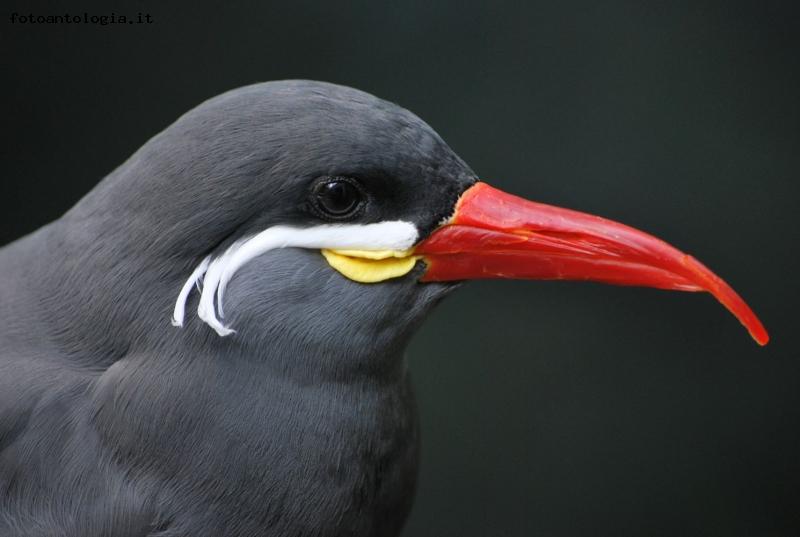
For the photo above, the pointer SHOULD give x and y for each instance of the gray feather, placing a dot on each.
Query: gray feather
(113, 422)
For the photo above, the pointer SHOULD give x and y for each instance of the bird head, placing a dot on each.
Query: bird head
(318, 211)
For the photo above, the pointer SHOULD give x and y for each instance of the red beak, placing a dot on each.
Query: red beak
(496, 235)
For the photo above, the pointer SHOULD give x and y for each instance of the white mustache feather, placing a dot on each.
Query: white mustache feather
(216, 273)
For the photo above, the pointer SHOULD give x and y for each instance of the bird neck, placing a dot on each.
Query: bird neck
(94, 291)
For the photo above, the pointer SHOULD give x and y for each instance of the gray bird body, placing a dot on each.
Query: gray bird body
(115, 423)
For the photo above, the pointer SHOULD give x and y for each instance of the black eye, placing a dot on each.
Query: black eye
(337, 197)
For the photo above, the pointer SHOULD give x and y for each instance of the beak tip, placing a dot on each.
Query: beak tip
(761, 337)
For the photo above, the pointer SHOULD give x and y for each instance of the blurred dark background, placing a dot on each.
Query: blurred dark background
(557, 409)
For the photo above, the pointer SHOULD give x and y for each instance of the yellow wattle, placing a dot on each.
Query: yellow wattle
(370, 266)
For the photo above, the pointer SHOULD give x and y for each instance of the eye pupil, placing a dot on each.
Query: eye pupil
(338, 197)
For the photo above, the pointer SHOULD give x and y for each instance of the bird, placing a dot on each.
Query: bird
(211, 342)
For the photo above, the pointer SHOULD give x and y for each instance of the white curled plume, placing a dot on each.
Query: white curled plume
(215, 273)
